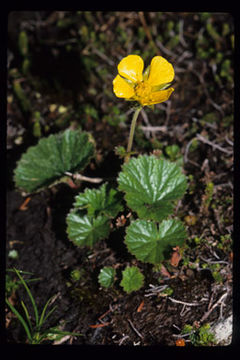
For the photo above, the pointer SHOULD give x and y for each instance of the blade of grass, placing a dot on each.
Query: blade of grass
(30, 296)
(22, 321)
(20, 271)
(49, 313)
(42, 318)
(26, 314)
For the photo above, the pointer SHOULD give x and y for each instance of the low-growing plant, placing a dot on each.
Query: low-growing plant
(106, 276)
(199, 335)
(34, 330)
(132, 279)
(11, 285)
(147, 186)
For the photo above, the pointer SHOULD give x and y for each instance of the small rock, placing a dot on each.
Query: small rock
(223, 331)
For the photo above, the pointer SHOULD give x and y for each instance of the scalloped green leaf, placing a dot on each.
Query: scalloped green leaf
(106, 276)
(151, 242)
(151, 186)
(85, 230)
(45, 163)
(132, 279)
(105, 200)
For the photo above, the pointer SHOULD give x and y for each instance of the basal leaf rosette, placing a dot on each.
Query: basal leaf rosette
(89, 220)
(151, 242)
(151, 186)
(45, 163)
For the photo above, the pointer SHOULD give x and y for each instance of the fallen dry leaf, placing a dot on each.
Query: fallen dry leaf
(176, 257)
(99, 325)
(164, 271)
(23, 207)
(139, 309)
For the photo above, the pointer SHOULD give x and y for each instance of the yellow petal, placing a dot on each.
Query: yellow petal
(158, 97)
(131, 67)
(161, 71)
(121, 88)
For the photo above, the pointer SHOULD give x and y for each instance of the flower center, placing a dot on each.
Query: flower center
(143, 90)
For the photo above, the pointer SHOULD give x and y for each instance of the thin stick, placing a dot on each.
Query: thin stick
(185, 158)
(148, 33)
(215, 146)
(154, 128)
(125, 337)
(136, 331)
(183, 302)
(84, 178)
(205, 316)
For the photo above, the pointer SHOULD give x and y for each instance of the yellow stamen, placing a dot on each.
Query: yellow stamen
(143, 92)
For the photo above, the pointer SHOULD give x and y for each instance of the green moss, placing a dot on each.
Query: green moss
(23, 43)
(173, 42)
(211, 118)
(199, 336)
(226, 70)
(212, 31)
(76, 274)
(26, 66)
(227, 121)
(225, 29)
(204, 16)
(170, 25)
(19, 92)
(208, 194)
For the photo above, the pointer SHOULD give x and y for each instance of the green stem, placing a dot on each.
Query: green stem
(132, 130)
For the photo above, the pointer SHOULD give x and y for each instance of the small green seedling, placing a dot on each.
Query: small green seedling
(106, 276)
(34, 330)
(199, 335)
(132, 279)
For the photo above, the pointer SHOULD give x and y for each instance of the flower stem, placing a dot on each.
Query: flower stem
(132, 130)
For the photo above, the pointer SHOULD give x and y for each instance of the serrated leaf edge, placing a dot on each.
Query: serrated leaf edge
(158, 225)
(90, 218)
(112, 277)
(63, 178)
(139, 273)
(125, 193)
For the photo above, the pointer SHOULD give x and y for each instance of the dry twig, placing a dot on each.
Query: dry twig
(125, 337)
(154, 128)
(133, 327)
(219, 302)
(148, 33)
(183, 302)
(215, 146)
(155, 290)
(84, 178)
(185, 158)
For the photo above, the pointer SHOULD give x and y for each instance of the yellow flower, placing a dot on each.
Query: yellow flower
(148, 88)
